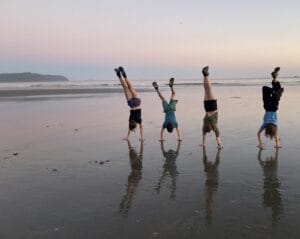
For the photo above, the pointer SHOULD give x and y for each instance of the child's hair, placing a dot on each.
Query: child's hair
(170, 127)
(132, 125)
(270, 131)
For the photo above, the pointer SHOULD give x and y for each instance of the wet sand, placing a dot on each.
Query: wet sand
(73, 177)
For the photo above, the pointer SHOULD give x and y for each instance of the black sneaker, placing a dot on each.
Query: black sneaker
(122, 71)
(171, 82)
(155, 85)
(205, 71)
(117, 72)
(274, 74)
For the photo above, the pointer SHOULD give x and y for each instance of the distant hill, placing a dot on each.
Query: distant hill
(30, 77)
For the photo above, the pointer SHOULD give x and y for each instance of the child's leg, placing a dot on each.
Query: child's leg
(127, 92)
(160, 94)
(129, 85)
(157, 90)
(208, 95)
(173, 94)
(171, 84)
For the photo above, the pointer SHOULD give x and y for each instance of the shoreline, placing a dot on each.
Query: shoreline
(35, 92)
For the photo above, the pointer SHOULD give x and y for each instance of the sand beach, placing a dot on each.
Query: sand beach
(66, 173)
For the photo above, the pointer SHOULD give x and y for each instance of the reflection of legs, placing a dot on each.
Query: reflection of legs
(129, 85)
(208, 95)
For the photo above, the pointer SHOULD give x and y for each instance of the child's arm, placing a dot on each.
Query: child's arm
(277, 142)
(127, 137)
(141, 132)
(178, 147)
(162, 135)
(142, 149)
(218, 139)
(203, 140)
(178, 134)
(260, 143)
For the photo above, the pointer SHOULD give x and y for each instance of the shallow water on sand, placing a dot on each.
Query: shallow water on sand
(74, 177)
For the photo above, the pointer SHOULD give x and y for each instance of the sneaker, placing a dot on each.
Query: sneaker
(205, 71)
(117, 72)
(122, 71)
(171, 82)
(274, 74)
(155, 85)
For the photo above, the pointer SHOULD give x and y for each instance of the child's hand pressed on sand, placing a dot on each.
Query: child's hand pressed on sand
(260, 146)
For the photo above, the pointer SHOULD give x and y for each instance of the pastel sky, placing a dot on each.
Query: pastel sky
(85, 39)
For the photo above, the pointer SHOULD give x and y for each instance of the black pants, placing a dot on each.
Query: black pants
(271, 96)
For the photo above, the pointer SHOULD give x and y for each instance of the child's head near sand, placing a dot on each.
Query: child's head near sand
(271, 131)
(132, 125)
(170, 127)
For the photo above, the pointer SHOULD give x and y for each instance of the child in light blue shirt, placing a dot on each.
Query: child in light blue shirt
(169, 108)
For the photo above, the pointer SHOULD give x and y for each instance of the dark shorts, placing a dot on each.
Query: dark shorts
(210, 105)
(134, 102)
(211, 123)
(136, 115)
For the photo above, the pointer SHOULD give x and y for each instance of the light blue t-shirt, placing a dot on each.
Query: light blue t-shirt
(270, 117)
(169, 109)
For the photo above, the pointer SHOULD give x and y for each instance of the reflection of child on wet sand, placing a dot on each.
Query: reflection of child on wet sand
(169, 168)
(211, 183)
(134, 177)
(210, 121)
(169, 109)
(271, 195)
(271, 98)
(133, 102)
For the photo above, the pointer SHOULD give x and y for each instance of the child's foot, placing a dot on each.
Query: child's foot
(117, 72)
(171, 82)
(205, 71)
(122, 71)
(155, 85)
(274, 74)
